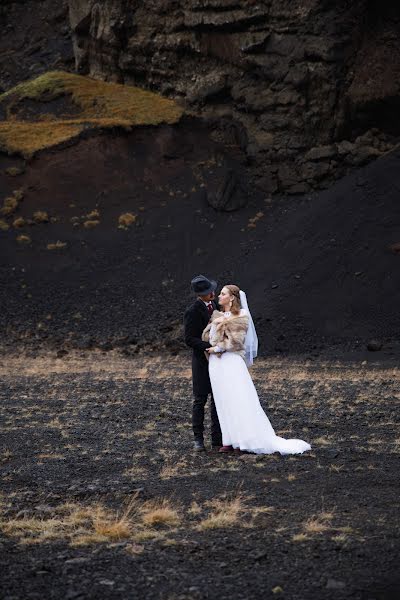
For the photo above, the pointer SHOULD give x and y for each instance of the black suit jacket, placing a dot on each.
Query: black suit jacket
(195, 320)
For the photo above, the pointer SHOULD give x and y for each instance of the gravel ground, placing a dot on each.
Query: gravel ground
(102, 496)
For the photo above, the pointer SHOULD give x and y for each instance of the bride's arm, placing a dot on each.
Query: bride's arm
(213, 349)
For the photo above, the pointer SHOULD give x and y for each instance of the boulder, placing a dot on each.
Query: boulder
(321, 153)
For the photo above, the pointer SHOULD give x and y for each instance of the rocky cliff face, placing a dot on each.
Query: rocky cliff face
(35, 37)
(311, 88)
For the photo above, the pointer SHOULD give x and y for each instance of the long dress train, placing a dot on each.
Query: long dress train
(244, 424)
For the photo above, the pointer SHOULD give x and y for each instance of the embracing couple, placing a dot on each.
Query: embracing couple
(224, 343)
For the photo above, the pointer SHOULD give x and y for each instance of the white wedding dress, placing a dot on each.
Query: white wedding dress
(243, 422)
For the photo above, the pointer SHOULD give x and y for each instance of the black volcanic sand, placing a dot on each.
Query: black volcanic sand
(100, 430)
(319, 270)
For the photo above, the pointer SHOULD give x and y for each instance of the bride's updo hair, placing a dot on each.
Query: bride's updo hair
(234, 291)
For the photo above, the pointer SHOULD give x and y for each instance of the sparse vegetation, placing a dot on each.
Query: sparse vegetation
(299, 537)
(19, 222)
(277, 590)
(91, 224)
(190, 515)
(252, 223)
(316, 525)
(97, 105)
(93, 214)
(76, 523)
(9, 206)
(23, 239)
(14, 171)
(41, 216)
(159, 512)
(58, 245)
(225, 513)
(6, 455)
(126, 220)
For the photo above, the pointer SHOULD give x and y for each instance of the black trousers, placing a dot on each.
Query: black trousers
(199, 403)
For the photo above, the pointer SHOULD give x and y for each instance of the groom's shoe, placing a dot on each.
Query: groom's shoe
(198, 446)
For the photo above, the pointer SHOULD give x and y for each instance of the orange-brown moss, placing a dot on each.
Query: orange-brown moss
(126, 220)
(40, 216)
(99, 105)
(91, 223)
(27, 138)
(10, 204)
(19, 222)
(24, 239)
(14, 171)
(56, 245)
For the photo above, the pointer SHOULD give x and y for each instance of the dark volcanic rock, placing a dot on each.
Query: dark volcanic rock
(374, 346)
(303, 79)
(35, 37)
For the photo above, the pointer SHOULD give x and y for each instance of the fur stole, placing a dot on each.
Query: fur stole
(230, 332)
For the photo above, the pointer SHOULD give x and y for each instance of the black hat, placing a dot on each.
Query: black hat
(203, 286)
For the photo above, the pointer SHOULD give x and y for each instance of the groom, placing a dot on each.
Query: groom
(196, 318)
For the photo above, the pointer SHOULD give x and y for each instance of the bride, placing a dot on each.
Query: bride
(234, 344)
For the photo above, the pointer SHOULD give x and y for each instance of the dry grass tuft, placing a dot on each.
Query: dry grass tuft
(126, 220)
(4, 226)
(263, 510)
(93, 214)
(90, 224)
(40, 216)
(340, 538)
(147, 534)
(195, 509)
(54, 456)
(19, 222)
(14, 171)
(173, 470)
(336, 468)
(321, 441)
(277, 590)
(315, 526)
(326, 516)
(299, 537)
(10, 204)
(225, 513)
(76, 523)
(319, 524)
(6, 455)
(252, 223)
(345, 529)
(159, 512)
(97, 105)
(113, 528)
(134, 549)
(58, 245)
(23, 239)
